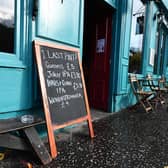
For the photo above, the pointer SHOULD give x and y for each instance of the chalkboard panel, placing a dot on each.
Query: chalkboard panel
(63, 88)
(63, 84)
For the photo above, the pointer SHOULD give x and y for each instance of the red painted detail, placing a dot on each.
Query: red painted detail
(99, 78)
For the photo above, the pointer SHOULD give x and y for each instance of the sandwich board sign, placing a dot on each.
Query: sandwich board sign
(63, 88)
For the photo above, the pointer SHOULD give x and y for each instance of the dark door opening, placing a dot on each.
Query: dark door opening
(96, 52)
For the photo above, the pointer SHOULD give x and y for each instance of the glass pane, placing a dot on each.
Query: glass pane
(137, 31)
(160, 48)
(7, 25)
(140, 25)
(163, 42)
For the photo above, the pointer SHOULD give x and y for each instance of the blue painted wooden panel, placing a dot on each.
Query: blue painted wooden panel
(126, 16)
(60, 20)
(124, 77)
(113, 3)
(16, 89)
(149, 37)
(16, 59)
(16, 85)
(120, 55)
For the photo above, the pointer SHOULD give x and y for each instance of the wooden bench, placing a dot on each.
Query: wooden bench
(11, 141)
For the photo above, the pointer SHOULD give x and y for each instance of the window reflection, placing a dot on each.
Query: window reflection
(137, 30)
(140, 25)
(161, 41)
(7, 25)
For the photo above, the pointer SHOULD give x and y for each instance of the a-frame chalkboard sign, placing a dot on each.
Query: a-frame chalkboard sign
(63, 88)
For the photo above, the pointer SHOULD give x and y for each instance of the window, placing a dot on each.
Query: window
(161, 52)
(135, 57)
(13, 32)
(163, 40)
(7, 25)
(140, 25)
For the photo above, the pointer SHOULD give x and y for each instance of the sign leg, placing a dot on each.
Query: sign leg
(90, 128)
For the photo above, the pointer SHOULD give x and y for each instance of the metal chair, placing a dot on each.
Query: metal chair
(164, 83)
(143, 95)
(157, 85)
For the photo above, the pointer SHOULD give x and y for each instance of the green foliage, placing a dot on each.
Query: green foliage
(135, 62)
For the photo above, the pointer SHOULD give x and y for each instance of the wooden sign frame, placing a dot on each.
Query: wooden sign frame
(51, 127)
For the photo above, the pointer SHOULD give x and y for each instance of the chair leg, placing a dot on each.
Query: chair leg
(162, 99)
(147, 105)
(155, 102)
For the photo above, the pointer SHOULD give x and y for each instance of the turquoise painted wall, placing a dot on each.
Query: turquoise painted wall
(64, 26)
(121, 92)
(120, 56)
(19, 80)
(16, 87)
(149, 36)
(59, 21)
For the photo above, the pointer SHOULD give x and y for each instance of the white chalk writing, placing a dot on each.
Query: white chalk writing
(55, 55)
(58, 83)
(60, 90)
(53, 100)
(77, 86)
(70, 66)
(70, 57)
(52, 74)
(72, 75)
(53, 66)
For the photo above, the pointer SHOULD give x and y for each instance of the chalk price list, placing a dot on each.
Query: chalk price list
(63, 77)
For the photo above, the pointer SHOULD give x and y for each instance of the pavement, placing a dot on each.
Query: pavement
(130, 138)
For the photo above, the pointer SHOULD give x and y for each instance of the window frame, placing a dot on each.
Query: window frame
(16, 59)
(142, 14)
(160, 49)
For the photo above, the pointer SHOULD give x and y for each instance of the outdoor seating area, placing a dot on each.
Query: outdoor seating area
(149, 91)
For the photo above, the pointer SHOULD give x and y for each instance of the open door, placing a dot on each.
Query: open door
(97, 49)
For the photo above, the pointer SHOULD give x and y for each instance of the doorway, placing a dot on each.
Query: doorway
(96, 52)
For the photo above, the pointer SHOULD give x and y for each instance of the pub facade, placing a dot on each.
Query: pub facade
(109, 35)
